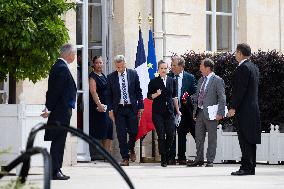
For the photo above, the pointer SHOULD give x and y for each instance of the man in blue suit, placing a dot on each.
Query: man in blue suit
(60, 99)
(186, 83)
(125, 104)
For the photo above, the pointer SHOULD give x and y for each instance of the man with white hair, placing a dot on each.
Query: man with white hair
(125, 103)
(60, 99)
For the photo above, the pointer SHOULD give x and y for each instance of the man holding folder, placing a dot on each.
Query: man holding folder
(210, 91)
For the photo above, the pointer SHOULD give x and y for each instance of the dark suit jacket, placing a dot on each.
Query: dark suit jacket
(245, 101)
(113, 91)
(60, 97)
(189, 85)
(164, 102)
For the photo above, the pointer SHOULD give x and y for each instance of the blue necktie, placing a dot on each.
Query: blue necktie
(124, 94)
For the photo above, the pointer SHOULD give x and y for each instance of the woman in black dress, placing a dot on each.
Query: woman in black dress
(100, 125)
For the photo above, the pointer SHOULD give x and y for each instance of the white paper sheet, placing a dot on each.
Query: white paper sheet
(212, 111)
(177, 120)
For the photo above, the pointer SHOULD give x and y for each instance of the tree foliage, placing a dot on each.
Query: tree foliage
(31, 32)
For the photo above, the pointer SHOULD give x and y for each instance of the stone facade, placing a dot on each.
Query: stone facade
(260, 23)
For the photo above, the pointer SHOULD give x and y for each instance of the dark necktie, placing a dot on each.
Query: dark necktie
(202, 93)
(123, 83)
(176, 78)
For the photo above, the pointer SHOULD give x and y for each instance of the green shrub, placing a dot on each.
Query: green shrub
(271, 86)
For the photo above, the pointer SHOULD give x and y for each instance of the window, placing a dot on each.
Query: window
(220, 25)
(97, 33)
(3, 92)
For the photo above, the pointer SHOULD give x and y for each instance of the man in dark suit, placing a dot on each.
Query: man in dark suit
(245, 106)
(186, 83)
(60, 99)
(210, 91)
(163, 91)
(125, 104)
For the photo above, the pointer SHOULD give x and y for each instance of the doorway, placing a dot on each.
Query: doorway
(92, 36)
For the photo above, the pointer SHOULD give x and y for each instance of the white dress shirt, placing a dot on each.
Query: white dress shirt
(208, 78)
(126, 84)
(179, 85)
(65, 63)
(242, 62)
(165, 80)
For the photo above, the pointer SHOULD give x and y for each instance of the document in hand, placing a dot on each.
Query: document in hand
(177, 120)
(212, 111)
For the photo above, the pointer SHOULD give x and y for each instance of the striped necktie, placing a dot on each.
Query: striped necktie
(123, 83)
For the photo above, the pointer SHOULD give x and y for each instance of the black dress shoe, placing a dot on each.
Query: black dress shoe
(172, 162)
(182, 162)
(164, 164)
(59, 176)
(163, 160)
(63, 174)
(195, 164)
(242, 173)
(124, 162)
(209, 164)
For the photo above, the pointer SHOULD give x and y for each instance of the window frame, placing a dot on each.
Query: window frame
(213, 13)
(5, 90)
(86, 46)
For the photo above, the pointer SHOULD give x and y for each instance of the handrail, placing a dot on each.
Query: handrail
(26, 156)
(93, 142)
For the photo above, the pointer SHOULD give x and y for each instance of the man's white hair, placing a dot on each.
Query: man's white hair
(119, 58)
(67, 49)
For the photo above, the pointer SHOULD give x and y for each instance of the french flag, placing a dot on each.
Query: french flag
(146, 71)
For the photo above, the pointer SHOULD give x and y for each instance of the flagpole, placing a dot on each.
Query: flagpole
(141, 139)
(139, 18)
(150, 20)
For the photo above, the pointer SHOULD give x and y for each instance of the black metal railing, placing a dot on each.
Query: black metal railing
(26, 157)
(31, 150)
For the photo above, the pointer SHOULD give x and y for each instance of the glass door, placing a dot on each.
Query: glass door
(92, 33)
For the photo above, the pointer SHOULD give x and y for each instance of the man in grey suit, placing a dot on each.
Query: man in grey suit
(210, 91)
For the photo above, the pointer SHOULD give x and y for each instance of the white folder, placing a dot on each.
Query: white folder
(212, 111)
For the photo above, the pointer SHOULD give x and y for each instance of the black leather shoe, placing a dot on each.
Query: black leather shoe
(164, 164)
(172, 162)
(63, 174)
(209, 164)
(132, 156)
(242, 173)
(124, 162)
(195, 164)
(59, 176)
(182, 162)
(163, 160)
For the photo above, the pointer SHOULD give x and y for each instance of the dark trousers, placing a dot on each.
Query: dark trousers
(186, 125)
(165, 128)
(248, 161)
(57, 151)
(126, 122)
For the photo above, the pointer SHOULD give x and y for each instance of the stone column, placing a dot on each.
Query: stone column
(158, 29)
